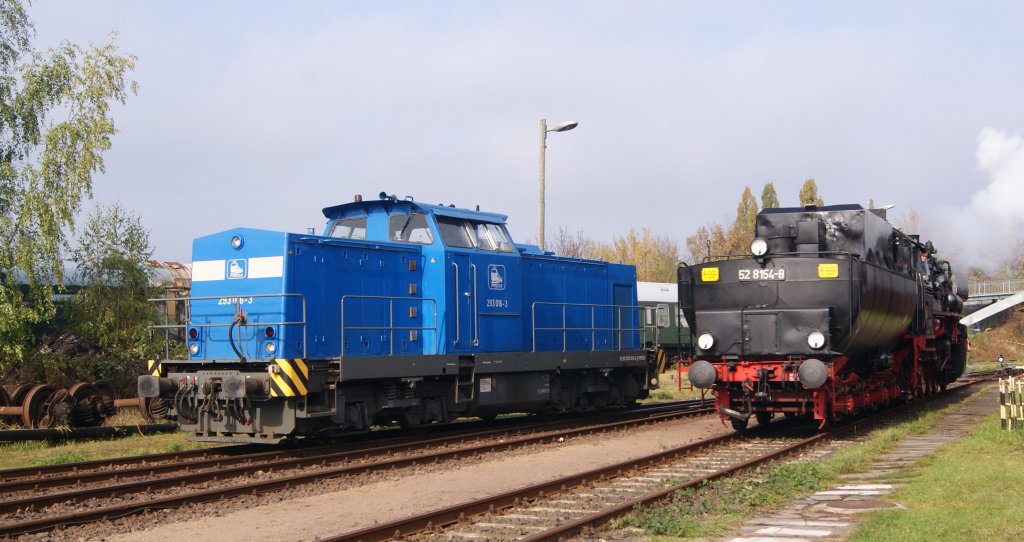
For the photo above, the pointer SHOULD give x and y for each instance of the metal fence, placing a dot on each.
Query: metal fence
(996, 287)
(618, 316)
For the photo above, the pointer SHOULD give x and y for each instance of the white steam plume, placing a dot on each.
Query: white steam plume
(990, 228)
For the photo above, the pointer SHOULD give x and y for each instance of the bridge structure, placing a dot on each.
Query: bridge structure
(995, 295)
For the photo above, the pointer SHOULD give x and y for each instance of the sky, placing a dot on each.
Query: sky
(260, 114)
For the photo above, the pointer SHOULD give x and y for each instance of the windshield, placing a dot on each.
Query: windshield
(348, 228)
(410, 228)
(460, 233)
(454, 233)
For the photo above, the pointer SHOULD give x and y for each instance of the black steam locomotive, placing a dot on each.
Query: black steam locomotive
(835, 311)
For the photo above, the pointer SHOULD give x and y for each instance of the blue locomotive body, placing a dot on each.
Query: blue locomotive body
(400, 312)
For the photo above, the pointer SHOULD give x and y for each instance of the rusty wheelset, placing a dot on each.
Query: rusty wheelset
(42, 406)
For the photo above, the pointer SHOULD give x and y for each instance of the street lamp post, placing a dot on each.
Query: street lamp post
(563, 127)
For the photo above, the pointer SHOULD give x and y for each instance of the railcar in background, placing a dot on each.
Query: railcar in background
(834, 312)
(401, 312)
(665, 330)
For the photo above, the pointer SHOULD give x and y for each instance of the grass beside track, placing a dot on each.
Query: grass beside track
(969, 491)
(40, 453)
(720, 507)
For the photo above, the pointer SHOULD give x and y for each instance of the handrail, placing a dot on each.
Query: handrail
(592, 328)
(476, 316)
(995, 287)
(390, 327)
(458, 301)
(236, 305)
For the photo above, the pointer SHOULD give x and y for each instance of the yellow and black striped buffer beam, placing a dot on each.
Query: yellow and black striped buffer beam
(289, 378)
(154, 367)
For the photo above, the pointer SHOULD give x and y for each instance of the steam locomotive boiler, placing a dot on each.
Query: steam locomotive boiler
(834, 311)
(401, 312)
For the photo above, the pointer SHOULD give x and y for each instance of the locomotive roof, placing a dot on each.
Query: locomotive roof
(358, 208)
(813, 208)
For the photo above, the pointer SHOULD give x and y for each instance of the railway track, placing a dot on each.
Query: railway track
(566, 507)
(33, 500)
(376, 439)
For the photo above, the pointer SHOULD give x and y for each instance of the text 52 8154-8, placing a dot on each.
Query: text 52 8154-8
(775, 273)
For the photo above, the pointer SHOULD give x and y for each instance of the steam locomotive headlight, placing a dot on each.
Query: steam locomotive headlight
(815, 339)
(193, 349)
(705, 341)
(236, 242)
(270, 347)
(759, 246)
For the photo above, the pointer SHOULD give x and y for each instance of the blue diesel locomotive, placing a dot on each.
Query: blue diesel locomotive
(400, 313)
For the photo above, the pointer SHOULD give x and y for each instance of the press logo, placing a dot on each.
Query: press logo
(496, 277)
(236, 269)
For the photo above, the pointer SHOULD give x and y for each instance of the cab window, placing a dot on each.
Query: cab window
(460, 233)
(483, 238)
(500, 236)
(453, 232)
(410, 228)
(348, 228)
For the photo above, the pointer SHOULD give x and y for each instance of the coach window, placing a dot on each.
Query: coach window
(410, 228)
(348, 228)
(663, 315)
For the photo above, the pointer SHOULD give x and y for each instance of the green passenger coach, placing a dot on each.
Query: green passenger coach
(664, 327)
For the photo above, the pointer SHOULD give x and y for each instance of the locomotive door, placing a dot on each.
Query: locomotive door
(461, 315)
(498, 301)
(485, 301)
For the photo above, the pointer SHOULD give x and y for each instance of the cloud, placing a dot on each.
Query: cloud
(258, 115)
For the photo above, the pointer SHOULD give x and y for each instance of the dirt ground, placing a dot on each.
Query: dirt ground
(307, 517)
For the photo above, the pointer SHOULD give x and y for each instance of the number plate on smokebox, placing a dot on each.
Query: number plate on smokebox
(774, 273)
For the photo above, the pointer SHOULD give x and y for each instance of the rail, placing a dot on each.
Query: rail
(390, 328)
(632, 311)
(236, 302)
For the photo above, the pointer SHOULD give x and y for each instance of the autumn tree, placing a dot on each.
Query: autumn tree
(573, 244)
(742, 231)
(55, 124)
(977, 274)
(708, 242)
(1013, 266)
(809, 194)
(656, 257)
(769, 199)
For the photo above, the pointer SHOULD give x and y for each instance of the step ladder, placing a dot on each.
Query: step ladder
(465, 382)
